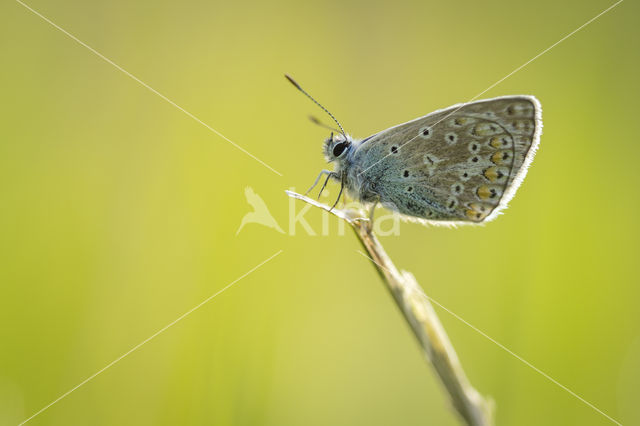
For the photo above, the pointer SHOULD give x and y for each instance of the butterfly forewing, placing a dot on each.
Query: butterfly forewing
(461, 164)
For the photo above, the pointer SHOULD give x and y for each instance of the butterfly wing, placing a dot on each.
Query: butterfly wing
(460, 164)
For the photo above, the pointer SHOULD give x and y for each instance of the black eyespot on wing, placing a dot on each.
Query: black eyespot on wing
(406, 173)
(339, 149)
(394, 149)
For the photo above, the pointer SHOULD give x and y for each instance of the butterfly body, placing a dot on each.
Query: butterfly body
(461, 164)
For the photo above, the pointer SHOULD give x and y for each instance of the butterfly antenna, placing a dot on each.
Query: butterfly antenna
(317, 122)
(292, 81)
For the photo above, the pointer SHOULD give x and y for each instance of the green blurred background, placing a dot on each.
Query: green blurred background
(118, 213)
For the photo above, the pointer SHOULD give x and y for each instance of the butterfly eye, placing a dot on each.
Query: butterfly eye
(339, 149)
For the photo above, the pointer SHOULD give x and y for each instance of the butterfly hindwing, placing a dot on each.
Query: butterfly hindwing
(461, 164)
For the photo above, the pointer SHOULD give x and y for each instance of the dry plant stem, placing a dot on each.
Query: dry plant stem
(419, 313)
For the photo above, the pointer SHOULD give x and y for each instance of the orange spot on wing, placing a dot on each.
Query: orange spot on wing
(491, 173)
(484, 192)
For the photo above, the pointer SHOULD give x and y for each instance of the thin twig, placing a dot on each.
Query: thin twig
(474, 409)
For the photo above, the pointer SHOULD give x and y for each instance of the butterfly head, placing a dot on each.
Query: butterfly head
(337, 147)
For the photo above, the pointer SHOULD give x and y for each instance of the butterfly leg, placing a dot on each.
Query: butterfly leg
(372, 210)
(329, 176)
(324, 172)
(369, 225)
(339, 194)
(368, 221)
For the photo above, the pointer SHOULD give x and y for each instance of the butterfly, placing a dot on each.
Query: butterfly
(458, 165)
